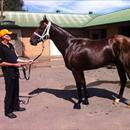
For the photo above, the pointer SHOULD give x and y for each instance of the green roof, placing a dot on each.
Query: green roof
(115, 17)
(25, 19)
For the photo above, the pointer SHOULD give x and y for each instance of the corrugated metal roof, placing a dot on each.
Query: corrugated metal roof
(115, 17)
(25, 19)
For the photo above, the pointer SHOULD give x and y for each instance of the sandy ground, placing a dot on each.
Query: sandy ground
(52, 92)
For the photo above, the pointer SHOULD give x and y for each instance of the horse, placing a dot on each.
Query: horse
(82, 54)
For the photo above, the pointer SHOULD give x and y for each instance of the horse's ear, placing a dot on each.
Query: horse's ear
(45, 19)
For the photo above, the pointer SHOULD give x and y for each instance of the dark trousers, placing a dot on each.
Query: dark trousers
(12, 93)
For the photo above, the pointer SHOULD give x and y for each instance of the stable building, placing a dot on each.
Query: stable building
(23, 24)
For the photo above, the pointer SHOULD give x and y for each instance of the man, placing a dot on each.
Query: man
(9, 64)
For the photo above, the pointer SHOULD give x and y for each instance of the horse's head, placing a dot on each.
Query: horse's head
(41, 33)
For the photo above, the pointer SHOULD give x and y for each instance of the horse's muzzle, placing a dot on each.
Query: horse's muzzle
(33, 42)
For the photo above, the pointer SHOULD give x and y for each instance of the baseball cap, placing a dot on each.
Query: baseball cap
(4, 32)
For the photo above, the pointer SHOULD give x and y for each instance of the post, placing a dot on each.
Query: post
(2, 4)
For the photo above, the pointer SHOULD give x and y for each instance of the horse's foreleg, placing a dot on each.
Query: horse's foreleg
(85, 101)
(123, 80)
(77, 78)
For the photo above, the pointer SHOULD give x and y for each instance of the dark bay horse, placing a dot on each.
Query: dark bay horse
(84, 54)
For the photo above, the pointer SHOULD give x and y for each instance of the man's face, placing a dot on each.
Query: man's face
(7, 37)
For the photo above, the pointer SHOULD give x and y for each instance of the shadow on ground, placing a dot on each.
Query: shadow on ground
(70, 91)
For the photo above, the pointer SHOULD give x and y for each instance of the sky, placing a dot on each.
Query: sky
(76, 6)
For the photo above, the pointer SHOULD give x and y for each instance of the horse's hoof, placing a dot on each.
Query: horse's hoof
(126, 101)
(77, 106)
(128, 106)
(85, 102)
(116, 101)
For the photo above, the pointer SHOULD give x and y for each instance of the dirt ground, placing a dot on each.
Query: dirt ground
(49, 97)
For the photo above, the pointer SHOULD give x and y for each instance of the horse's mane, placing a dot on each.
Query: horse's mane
(62, 30)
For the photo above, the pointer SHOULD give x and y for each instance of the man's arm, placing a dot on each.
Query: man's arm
(10, 64)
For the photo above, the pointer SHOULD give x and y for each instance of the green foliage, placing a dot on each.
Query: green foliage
(13, 5)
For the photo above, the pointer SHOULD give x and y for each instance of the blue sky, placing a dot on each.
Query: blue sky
(76, 6)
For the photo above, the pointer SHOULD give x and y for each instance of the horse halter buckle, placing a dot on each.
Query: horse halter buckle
(45, 34)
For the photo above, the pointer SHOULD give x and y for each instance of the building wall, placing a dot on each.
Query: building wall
(17, 41)
(112, 30)
(78, 32)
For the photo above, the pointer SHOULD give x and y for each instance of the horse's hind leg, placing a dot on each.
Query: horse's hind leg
(128, 72)
(123, 80)
(78, 80)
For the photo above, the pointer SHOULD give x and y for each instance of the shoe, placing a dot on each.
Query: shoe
(10, 115)
(20, 109)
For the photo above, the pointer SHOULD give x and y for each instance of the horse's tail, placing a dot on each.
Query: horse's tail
(121, 47)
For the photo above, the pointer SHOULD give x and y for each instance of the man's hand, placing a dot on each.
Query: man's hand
(29, 61)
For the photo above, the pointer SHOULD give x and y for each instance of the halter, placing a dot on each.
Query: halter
(45, 34)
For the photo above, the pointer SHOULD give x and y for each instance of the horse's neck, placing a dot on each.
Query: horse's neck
(60, 37)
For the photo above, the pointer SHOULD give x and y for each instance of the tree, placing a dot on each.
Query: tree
(13, 5)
